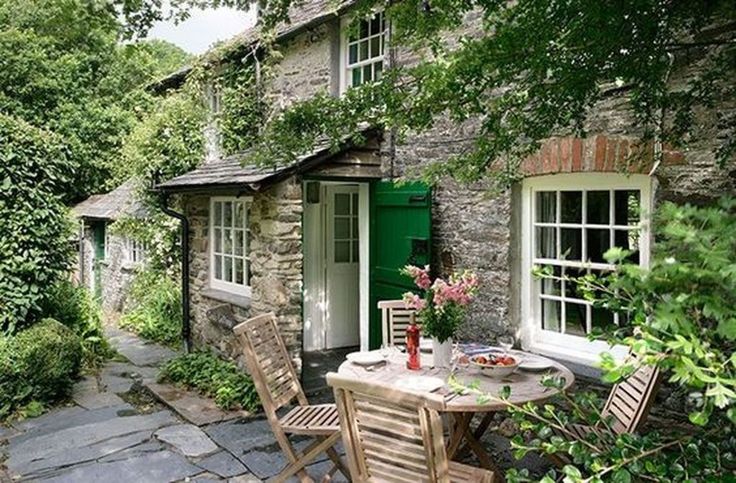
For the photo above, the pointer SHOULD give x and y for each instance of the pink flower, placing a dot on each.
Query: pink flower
(414, 301)
(420, 275)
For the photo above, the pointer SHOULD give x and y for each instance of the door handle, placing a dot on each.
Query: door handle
(417, 198)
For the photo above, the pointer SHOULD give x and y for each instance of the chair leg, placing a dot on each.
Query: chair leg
(306, 457)
(338, 463)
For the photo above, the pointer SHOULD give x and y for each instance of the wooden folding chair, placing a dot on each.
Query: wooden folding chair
(278, 385)
(627, 406)
(395, 318)
(395, 436)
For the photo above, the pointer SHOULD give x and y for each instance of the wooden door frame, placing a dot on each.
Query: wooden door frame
(364, 250)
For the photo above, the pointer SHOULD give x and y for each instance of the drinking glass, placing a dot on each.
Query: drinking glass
(385, 350)
(505, 342)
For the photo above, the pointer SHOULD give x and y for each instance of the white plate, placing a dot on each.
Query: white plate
(419, 383)
(534, 364)
(365, 358)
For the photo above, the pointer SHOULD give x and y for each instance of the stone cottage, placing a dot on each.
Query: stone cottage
(319, 242)
(106, 260)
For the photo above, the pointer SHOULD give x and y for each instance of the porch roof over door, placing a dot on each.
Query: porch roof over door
(233, 172)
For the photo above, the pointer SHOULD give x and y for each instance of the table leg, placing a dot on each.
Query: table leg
(478, 433)
(462, 423)
(463, 432)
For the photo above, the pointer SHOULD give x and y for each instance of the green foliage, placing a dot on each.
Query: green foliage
(35, 233)
(160, 233)
(167, 142)
(75, 307)
(64, 70)
(681, 317)
(155, 313)
(213, 377)
(37, 364)
(242, 109)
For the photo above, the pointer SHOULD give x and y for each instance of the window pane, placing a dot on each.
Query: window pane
(571, 243)
(377, 70)
(227, 273)
(356, 79)
(342, 204)
(227, 214)
(367, 73)
(551, 286)
(571, 206)
(239, 215)
(218, 267)
(342, 228)
(599, 206)
(342, 252)
(627, 207)
(353, 53)
(546, 242)
(355, 228)
(356, 256)
(376, 24)
(363, 31)
(572, 289)
(601, 318)
(598, 244)
(218, 240)
(363, 50)
(546, 206)
(575, 317)
(629, 240)
(239, 271)
(246, 272)
(217, 219)
(238, 243)
(354, 208)
(551, 315)
(227, 239)
(375, 46)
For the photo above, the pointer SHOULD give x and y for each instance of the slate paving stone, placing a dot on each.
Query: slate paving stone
(59, 419)
(320, 469)
(77, 455)
(84, 435)
(138, 351)
(188, 439)
(135, 451)
(267, 462)
(98, 400)
(159, 467)
(191, 406)
(222, 464)
(241, 436)
(244, 479)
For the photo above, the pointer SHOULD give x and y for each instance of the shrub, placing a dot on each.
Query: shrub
(38, 364)
(35, 232)
(156, 307)
(74, 307)
(213, 377)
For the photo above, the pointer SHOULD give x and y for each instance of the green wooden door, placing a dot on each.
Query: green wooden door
(99, 240)
(401, 227)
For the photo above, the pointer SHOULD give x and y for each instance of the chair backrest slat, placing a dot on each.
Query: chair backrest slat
(389, 434)
(395, 318)
(268, 362)
(631, 399)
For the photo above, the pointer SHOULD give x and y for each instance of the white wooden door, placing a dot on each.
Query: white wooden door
(342, 265)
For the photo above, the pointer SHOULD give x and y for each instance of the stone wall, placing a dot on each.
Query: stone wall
(116, 272)
(276, 271)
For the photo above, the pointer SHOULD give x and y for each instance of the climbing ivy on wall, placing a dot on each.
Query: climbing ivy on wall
(242, 106)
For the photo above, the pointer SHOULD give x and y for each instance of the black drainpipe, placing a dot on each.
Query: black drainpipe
(186, 332)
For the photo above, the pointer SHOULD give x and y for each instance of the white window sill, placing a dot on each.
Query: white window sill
(588, 358)
(227, 297)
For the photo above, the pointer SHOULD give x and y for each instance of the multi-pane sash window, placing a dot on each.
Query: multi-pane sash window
(364, 51)
(229, 241)
(136, 250)
(345, 228)
(572, 229)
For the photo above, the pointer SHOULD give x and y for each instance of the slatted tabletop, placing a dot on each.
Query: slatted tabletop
(525, 385)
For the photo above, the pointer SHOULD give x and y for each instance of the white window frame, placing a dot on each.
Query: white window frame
(133, 246)
(230, 287)
(345, 67)
(570, 347)
(106, 252)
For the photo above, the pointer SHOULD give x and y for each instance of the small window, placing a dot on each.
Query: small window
(136, 251)
(229, 245)
(364, 45)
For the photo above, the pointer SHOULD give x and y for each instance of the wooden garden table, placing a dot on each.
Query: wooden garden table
(525, 387)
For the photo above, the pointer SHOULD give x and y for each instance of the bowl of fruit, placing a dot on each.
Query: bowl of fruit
(495, 364)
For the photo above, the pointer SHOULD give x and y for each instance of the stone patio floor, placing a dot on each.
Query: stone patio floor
(115, 431)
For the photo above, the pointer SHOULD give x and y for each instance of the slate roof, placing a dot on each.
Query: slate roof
(229, 171)
(113, 205)
(302, 16)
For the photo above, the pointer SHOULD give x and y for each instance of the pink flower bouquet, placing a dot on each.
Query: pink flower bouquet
(444, 302)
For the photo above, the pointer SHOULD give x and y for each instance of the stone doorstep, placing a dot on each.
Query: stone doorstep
(191, 406)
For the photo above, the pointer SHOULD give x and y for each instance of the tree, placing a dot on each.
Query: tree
(64, 70)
